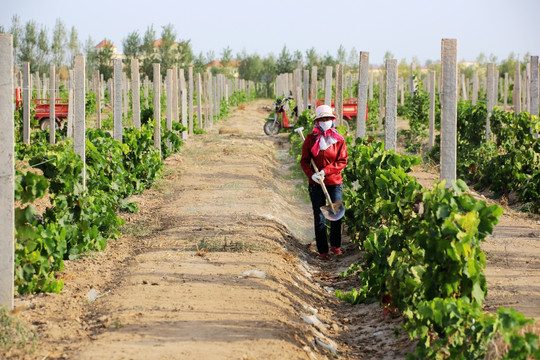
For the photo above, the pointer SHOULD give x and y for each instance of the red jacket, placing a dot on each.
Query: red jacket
(331, 160)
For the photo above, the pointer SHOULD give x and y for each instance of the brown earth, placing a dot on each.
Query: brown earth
(183, 281)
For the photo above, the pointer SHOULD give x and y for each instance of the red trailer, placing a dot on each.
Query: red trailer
(350, 108)
(42, 108)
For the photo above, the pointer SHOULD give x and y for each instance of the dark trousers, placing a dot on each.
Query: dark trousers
(317, 200)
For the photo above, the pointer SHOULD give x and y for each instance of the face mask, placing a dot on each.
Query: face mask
(325, 125)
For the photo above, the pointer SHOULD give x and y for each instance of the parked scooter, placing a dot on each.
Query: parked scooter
(273, 125)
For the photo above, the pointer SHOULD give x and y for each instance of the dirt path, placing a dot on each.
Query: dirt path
(183, 281)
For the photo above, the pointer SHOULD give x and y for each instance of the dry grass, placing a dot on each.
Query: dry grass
(497, 348)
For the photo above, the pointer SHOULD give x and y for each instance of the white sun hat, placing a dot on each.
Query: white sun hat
(324, 111)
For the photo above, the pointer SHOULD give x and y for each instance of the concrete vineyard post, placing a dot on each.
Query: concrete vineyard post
(381, 98)
(38, 83)
(328, 87)
(390, 128)
(183, 104)
(52, 107)
(505, 91)
(7, 173)
(136, 93)
(211, 100)
(464, 88)
(449, 111)
(523, 87)
(294, 86)
(98, 100)
(412, 82)
(79, 115)
(169, 94)
(527, 88)
(57, 85)
(289, 85)
(338, 102)
(496, 88)
(306, 89)
(157, 105)
(431, 140)
(313, 98)
(490, 97)
(534, 85)
(70, 107)
(117, 111)
(111, 92)
(45, 87)
(146, 86)
(125, 101)
(176, 96)
(199, 102)
(298, 93)
(190, 99)
(517, 90)
(206, 99)
(370, 85)
(402, 90)
(363, 84)
(216, 99)
(474, 97)
(27, 93)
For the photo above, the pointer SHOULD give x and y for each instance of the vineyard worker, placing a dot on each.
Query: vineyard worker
(327, 147)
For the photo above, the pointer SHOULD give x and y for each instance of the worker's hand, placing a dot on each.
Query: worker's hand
(318, 177)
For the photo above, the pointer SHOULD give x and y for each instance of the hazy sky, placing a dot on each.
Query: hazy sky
(405, 28)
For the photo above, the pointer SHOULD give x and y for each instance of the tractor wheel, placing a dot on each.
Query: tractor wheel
(44, 124)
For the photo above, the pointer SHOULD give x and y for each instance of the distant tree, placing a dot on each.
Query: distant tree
(226, 56)
(328, 60)
(148, 52)
(210, 56)
(341, 55)
(508, 65)
(492, 58)
(199, 64)
(312, 58)
(43, 51)
(148, 41)
(59, 42)
(481, 59)
(74, 44)
(466, 70)
(298, 57)
(251, 68)
(404, 69)
(132, 48)
(269, 69)
(184, 54)
(28, 45)
(525, 61)
(17, 31)
(354, 59)
(167, 55)
(387, 55)
(104, 60)
(89, 52)
(285, 62)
